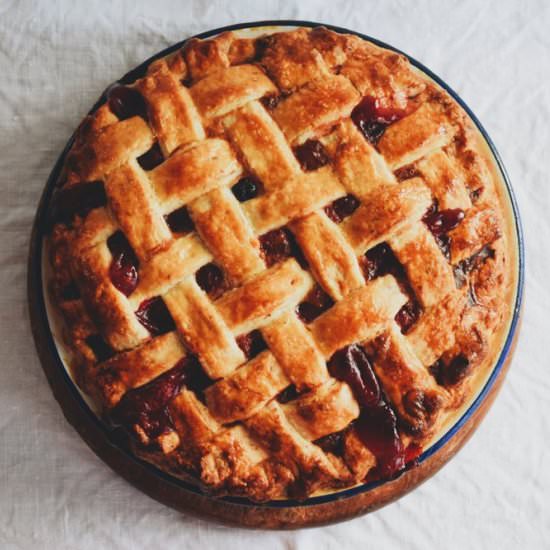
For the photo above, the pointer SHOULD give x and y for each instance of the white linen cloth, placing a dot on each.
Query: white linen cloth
(55, 59)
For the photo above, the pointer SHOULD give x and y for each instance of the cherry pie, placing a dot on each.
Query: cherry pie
(280, 261)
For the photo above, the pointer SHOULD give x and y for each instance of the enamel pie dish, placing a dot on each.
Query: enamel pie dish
(276, 274)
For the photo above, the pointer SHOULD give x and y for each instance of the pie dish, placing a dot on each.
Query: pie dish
(282, 262)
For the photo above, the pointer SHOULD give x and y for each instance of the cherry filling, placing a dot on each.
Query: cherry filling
(412, 452)
(78, 200)
(288, 394)
(332, 443)
(246, 188)
(377, 429)
(154, 316)
(251, 344)
(372, 119)
(377, 423)
(211, 279)
(278, 245)
(440, 222)
(152, 158)
(270, 101)
(311, 155)
(316, 302)
(379, 261)
(124, 265)
(407, 316)
(179, 221)
(126, 102)
(351, 365)
(450, 374)
(101, 349)
(342, 208)
(147, 406)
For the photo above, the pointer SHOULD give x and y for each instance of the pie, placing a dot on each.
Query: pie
(280, 261)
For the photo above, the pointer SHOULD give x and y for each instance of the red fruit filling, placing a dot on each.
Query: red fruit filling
(440, 222)
(246, 188)
(124, 265)
(342, 208)
(147, 406)
(316, 302)
(126, 102)
(211, 279)
(154, 316)
(377, 423)
(311, 155)
(101, 349)
(380, 261)
(270, 101)
(179, 221)
(152, 158)
(406, 317)
(332, 443)
(278, 245)
(372, 119)
(288, 394)
(252, 343)
(450, 374)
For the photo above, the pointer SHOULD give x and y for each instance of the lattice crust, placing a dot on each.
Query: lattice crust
(204, 323)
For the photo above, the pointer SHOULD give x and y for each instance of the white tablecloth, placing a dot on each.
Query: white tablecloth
(55, 59)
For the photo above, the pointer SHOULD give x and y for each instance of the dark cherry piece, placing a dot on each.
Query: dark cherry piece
(270, 101)
(252, 343)
(179, 221)
(440, 222)
(196, 380)
(146, 406)
(380, 260)
(311, 155)
(377, 429)
(317, 301)
(211, 279)
(372, 119)
(332, 443)
(124, 266)
(152, 158)
(450, 374)
(78, 200)
(126, 102)
(154, 316)
(278, 245)
(377, 423)
(246, 188)
(412, 452)
(406, 317)
(288, 394)
(351, 365)
(342, 208)
(101, 349)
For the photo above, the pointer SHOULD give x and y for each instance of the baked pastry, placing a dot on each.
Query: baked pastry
(281, 261)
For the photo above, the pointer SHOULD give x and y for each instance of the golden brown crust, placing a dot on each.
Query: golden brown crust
(230, 108)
